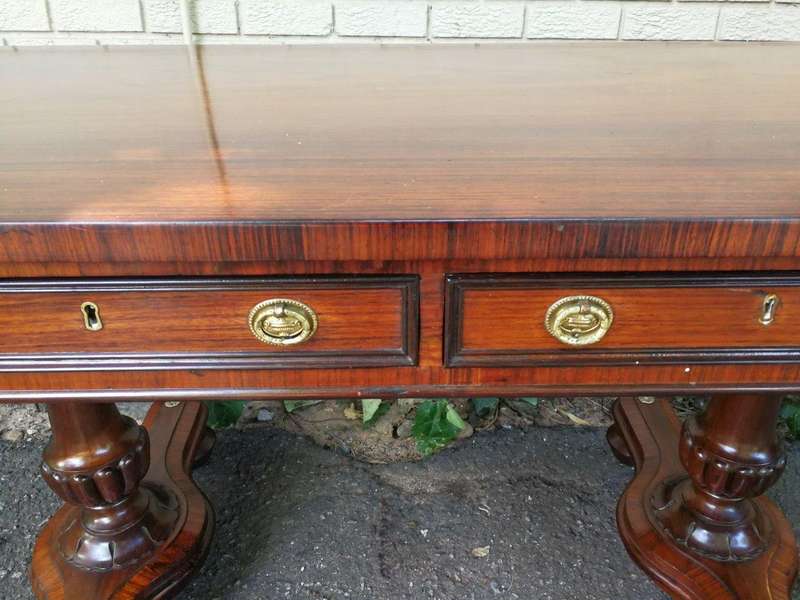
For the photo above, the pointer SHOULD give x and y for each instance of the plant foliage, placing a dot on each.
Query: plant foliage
(436, 424)
(790, 414)
(372, 410)
(534, 402)
(224, 414)
(293, 405)
(485, 407)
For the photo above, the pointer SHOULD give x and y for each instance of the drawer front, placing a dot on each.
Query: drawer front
(503, 320)
(356, 321)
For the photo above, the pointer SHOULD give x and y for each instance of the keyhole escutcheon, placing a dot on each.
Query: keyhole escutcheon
(91, 316)
(768, 309)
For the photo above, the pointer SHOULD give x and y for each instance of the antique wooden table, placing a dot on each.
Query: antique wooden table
(315, 222)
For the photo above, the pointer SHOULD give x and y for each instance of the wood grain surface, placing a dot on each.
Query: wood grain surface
(27, 380)
(375, 153)
(177, 188)
(195, 323)
(499, 320)
(176, 436)
(362, 133)
(611, 158)
(650, 434)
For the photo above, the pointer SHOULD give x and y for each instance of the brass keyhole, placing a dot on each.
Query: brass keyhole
(91, 316)
(768, 309)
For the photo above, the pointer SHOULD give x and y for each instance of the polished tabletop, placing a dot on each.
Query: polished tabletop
(399, 132)
(169, 155)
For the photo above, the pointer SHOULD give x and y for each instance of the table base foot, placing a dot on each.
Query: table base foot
(651, 433)
(178, 440)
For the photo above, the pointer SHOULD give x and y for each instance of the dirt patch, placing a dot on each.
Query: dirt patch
(20, 422)
(339, 425)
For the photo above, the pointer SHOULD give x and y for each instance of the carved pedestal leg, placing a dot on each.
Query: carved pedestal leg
(732, 454)
(617, 444)
(96, 460)
(134, 525)
(693, 517)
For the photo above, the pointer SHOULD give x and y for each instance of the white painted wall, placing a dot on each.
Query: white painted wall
(337, 21)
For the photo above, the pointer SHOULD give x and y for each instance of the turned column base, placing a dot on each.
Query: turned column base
(160, 534)
(141, 524)
(751, 557)
(744, 535)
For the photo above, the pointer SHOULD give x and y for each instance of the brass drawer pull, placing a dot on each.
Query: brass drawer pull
(579, 320)
(282, 322)
(769, 308)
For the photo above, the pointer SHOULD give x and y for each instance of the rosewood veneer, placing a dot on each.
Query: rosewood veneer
(390, 221)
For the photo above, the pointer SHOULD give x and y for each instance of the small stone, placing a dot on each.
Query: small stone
(13, 435)
(481, 551)
(524, 408)
(264, 415)
(406, 404)
(466, 432)
(404, 429)
(352, 413)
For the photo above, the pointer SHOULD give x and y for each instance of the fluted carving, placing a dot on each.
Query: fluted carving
(106, 485)
(710, 511)
(723, 476)
(96, 461)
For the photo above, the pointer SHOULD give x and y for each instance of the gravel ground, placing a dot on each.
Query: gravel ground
(301, 522)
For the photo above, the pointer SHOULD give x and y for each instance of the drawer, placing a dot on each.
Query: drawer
(510, 320)
(300, 322)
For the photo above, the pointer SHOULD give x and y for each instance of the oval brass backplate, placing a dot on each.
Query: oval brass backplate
(579, 320)
(282, 322)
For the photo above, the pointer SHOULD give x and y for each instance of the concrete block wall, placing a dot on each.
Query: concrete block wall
(340, 21)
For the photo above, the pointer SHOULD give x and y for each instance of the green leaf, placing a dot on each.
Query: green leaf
(369, 407)
(454, 418)
(534, 402)
(293, 405)
(224, 414)
(436, 424)
(790, 413)
(372, 410)
(485, 407)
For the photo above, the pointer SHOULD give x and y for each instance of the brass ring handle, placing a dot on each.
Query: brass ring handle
(282, 322)
(579, 320)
